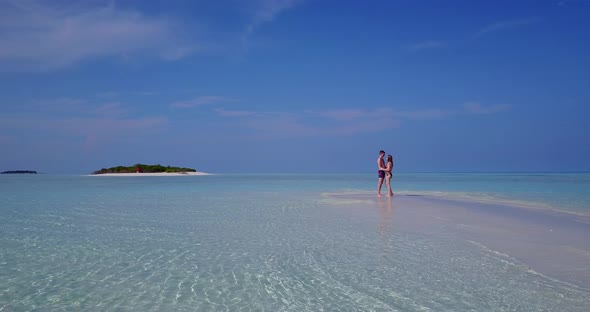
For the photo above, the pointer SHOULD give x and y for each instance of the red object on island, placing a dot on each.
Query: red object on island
(138, 170)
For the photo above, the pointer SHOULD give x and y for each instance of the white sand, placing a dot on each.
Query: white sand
(550, 242)
(151, 174)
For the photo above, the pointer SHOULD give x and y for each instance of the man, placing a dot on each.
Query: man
(380, 173)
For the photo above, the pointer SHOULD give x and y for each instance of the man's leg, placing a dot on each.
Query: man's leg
(379, 185)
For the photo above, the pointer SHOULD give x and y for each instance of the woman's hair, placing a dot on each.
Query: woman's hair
(389, 158)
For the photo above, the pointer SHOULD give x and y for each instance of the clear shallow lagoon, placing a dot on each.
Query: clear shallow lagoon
(278, 243)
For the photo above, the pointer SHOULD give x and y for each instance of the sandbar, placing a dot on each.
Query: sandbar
(550, 243)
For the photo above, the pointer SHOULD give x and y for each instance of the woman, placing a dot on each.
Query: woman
(388, 169)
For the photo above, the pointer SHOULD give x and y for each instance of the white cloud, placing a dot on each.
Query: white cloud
(432, 113)
(469, 108)
(269, 125)
(289, 125)
(7, 139)
(341, 122)
(505, 25)
(110, 109)
(114, 94)
(88, 119)
(234, 113)
(202, 100)
(477, 108)
(37, 35)
(83, 126)
(352, 114)
(66, 106)
(425, 45)
(266, 11)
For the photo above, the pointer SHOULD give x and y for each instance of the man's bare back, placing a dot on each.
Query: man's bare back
(380, 172)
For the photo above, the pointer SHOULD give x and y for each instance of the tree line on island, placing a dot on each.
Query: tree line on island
(139, 168)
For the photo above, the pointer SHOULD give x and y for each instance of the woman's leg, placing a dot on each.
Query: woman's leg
(389, 191)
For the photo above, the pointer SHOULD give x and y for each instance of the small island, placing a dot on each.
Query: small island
(147, 170)
(19, 172)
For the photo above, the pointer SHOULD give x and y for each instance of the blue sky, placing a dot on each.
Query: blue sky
(295, 86)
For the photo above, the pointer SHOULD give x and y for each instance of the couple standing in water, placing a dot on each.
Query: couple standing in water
(384, 172)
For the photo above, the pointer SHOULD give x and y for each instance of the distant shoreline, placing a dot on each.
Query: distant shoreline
(151, 174)
(19, 172)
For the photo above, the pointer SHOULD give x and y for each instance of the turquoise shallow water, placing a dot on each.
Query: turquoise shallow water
(260, 243)
(561, 191)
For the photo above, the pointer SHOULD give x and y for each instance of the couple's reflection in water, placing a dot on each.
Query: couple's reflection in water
(385, 215)
(385, 229)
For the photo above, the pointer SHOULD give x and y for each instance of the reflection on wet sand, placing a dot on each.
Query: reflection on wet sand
(384, 228)
(385, 214)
